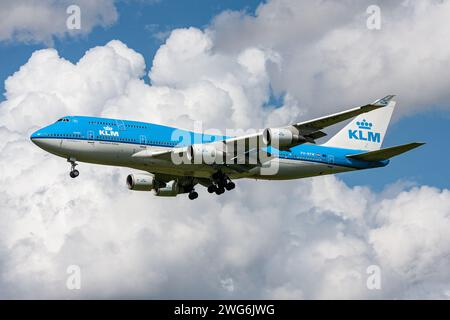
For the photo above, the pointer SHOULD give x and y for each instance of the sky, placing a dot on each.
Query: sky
(230, 64)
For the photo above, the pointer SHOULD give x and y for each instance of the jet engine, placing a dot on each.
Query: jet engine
(141, 181)
(283, 137)
(204, 153)
(170, 190)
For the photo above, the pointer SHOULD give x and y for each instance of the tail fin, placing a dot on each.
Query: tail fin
(366, 131)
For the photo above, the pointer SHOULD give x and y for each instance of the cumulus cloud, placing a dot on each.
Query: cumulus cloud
(312, 238)
(234, 84)
(331, 59)
(41, 21)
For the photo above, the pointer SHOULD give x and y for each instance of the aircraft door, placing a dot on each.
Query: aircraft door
(143, 140)
(90, 137)
(120, 125)
(330, 159)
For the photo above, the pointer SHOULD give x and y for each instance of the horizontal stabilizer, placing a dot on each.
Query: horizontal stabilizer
(384, 154)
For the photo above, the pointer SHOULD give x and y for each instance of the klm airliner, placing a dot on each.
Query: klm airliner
(173, 161)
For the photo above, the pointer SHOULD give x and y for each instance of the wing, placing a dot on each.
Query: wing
(311, 129)
(165, 155)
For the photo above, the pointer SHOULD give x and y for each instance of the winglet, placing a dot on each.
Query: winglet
(383, 101)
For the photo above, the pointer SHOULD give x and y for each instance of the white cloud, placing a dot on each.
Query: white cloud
(239, 83)
(41, 21)
(414, 231)
(331, 60)
(82, 88)
(312, 238)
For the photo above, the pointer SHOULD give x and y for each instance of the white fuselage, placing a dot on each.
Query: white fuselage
(120, 154)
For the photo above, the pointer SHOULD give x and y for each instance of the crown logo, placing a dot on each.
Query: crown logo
(364, 124)
(108, 128)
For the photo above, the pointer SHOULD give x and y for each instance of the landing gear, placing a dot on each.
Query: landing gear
(73, 172)
(221, 182)
(212, 188)
(230, 185)
(220, 190)
(193, 195)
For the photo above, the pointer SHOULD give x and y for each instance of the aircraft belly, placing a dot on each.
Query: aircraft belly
(51, 145)
(295, 169)
(99, 152)
(161, 166)
(120, 154)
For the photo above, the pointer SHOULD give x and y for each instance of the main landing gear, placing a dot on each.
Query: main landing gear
(193, 195)
(221, 183)
(73, 172)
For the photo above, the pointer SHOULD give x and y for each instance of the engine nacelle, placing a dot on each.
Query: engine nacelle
(170, 190)
(204, 153)
(282, 137)
(141, 181)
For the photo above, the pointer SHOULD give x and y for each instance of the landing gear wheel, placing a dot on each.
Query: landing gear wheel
(230, 186)
(193, 195)
(220, 182)
(74, 173)
(220, 190)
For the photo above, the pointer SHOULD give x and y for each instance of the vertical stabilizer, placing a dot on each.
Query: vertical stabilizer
(365, 132)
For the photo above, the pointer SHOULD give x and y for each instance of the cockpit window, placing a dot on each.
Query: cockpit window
(63, 120)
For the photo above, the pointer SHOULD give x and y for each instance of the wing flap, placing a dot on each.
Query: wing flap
(384, 154)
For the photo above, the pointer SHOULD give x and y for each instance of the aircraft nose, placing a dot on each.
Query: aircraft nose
(35, 137)
(44, 140)
(39, 138)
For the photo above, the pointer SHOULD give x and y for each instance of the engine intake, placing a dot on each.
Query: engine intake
(141, 181)
(282, 137)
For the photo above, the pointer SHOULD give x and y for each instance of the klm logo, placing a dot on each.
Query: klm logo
(364, 133)
(108, 131)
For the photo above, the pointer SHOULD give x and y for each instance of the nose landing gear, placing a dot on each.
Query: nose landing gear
(73, 172)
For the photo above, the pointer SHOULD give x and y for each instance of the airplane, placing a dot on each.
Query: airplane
(213, 161)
